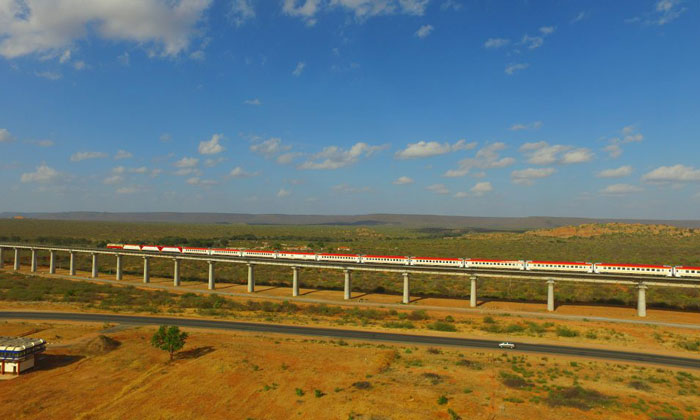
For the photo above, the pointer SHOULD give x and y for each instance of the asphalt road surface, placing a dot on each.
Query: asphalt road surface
(685, 362)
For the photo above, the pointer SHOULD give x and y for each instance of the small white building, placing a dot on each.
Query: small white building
(17, 354)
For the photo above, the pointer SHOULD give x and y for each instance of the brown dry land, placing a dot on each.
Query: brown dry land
(248, 376)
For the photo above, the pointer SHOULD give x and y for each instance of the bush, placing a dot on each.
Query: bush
(642, 386)
(399, 324)
(489, 320)
(566, 332)
(362, 385)
(418, 315)
(514, 381)
(577, 397)
(442, 400)
(299, 392)
(514, 328)
(442, 326)
(318, 393)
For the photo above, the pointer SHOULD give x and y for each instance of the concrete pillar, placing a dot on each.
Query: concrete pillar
(33, 260)
(16, 259)
(2, 257)
(406, 293)
(211, 285)
(94, 266)
(348, 286)
(176, 272)
(146, 270)
(119, 274)
(550, 295)
(642, 300)
(251, 278)
(52, 262)
(72, 264)
(295, 281)
(472, 292)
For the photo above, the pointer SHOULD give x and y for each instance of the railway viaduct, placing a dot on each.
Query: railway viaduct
(641, 283)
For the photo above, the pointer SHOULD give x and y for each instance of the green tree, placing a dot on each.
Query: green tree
(169, 338)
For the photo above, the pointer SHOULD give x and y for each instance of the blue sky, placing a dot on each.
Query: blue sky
(488, 108)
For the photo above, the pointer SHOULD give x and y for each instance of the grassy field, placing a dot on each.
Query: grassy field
(25, 291)
(632, 245)
(96, 371)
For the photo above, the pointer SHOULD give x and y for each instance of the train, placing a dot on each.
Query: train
(522, 265)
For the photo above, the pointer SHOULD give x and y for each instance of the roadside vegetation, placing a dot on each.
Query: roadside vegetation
(596, 243)
(26, 291)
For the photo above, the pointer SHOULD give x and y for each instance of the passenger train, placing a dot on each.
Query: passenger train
(523, 265)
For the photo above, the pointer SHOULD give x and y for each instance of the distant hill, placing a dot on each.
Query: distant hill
(415, 220)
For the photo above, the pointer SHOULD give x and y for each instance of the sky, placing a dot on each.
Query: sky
(454, 107)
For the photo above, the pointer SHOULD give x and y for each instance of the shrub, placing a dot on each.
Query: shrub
(642, 386)
(299, 392)
(453, 415)
(489, 320)
(442, 326)
(318, 393)
(566, 332)
(399, 324)
(442, 400)
(418, 315)
(362, 385)
(514, 381)
(577, 397)
(513, 328)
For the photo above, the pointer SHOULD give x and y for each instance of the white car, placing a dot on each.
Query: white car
(506, 345)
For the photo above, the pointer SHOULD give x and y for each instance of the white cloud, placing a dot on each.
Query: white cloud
(532, 42)
(542, 153)
(80, 156)
(5, 136)
(450, 4)
(242, 11)
(424, 31)
(49, 75)
(613, 150)
(299, 68)
(461, 194)
(488, 157)
(580, 16)
(529, 175)
(283, 193)
(43, 174)
(114, 179)
(139, 170)
(432, 148)
(403, 180)
(65, 57)
(530, 126)
(438, 189)
(620, 189)
(334, 157)
(255, 102)
(38, 26)
(198, 55)
(269, 147)
(675, 173)
(511, 69)
(665, 11)
(287, 158)
(481, 188)
(44, 143)
(348, 189)
(79, 65)
(620, 172)
(494, 43)
(201, 182)
(123, 154)
(361, 9)
(239, 172)
(165, 137)
(187, 162)
(580, 155)
(211, 146)
(628, 134)
(547, 30)
(211, 162)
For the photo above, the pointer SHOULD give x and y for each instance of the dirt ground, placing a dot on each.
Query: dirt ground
(249, 376)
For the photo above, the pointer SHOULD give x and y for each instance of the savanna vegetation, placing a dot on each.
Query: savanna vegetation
(597, 243)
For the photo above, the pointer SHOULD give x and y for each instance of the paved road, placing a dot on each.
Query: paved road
(673, 361)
